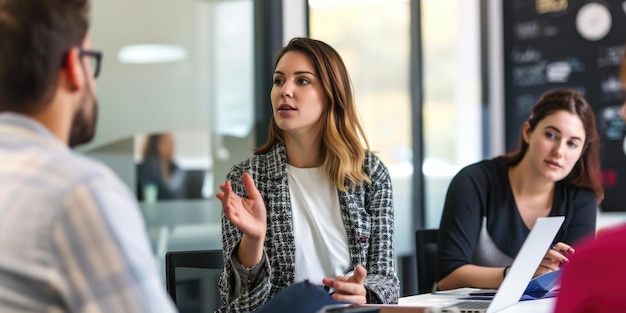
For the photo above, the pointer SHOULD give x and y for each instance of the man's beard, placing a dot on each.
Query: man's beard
(84, 128)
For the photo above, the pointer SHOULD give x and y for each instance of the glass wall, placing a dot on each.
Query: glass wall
(183, 69)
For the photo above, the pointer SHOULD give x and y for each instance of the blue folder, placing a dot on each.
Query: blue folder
(542, 286)
(303, 297)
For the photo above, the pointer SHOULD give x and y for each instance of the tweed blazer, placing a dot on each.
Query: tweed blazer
(368, 217)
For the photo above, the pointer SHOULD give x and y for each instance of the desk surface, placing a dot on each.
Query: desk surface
(441, 299)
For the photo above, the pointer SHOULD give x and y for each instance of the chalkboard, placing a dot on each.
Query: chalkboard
(550, 44)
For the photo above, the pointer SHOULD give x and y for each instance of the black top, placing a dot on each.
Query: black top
(149, 173)
(483, 190)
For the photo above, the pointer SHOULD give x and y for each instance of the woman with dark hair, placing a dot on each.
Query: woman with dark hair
(491, 206)
(158, 177)
(313, 203)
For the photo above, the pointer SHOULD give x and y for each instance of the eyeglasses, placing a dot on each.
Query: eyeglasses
(95, 57)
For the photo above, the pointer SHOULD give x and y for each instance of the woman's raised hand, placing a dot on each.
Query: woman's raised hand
(249, 215)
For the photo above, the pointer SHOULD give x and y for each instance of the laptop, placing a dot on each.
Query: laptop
(521, 272)
(194, 182)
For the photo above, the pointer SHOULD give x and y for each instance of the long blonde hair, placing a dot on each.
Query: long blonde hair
(343, 143)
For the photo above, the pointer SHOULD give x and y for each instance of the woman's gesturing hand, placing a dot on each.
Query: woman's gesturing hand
(249, 215)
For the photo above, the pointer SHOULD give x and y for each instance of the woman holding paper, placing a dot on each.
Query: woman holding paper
(491, 206)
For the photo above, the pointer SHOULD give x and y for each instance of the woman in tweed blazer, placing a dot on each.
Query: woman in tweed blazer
(312, 200)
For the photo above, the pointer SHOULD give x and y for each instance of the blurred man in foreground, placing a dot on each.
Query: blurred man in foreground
(71, 235)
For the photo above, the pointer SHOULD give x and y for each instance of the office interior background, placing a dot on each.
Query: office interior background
(428, 75)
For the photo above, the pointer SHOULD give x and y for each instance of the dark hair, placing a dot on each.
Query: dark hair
(151, 148)
(586, 172)
(343, 138)
(35, 36)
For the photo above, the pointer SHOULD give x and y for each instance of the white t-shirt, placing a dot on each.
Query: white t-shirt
(319, 232)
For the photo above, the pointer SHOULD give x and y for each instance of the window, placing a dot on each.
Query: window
(374, 41)
(183, 68)
(452, 96)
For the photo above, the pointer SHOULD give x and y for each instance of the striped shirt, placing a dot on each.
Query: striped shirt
(71, 235)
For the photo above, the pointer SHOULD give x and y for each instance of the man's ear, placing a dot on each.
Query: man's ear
(72, 72)
(526, 132)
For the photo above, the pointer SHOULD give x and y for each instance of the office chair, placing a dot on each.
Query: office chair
(426, 255)
(200, 259)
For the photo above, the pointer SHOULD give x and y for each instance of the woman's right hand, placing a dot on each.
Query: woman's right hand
(553, 259)
(249, 215)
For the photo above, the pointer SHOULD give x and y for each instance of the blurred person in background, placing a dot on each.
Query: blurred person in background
(158, 176)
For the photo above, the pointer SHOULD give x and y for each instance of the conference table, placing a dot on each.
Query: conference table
(441, 299)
